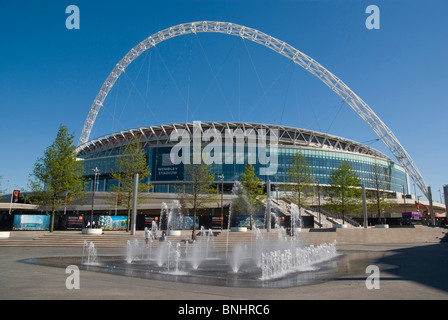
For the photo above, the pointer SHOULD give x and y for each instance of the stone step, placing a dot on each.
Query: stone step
(419, 234)
(76, 239)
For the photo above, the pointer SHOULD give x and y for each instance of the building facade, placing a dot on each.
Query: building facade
(229, 146)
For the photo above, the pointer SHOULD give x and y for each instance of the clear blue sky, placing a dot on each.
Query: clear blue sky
(49, 75)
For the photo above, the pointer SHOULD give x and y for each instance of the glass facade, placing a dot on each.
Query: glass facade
(165, 175)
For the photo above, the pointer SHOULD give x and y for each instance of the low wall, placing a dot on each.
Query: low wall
(372, 235)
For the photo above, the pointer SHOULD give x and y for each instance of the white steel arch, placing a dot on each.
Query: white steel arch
(281, 47)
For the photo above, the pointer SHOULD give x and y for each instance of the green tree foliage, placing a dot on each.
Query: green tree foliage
(58, 175)
(300, 179)
(378, 200)
(199, 189)
(251, 198)
(344, 195)
(131, 161)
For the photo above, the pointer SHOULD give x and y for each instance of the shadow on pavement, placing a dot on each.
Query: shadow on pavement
(426, 264)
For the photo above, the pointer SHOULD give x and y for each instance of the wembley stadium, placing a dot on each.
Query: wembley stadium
(323, 152)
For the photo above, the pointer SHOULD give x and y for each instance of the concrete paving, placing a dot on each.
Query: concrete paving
(408, 271)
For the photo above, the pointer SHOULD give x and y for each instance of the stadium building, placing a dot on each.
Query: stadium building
(323, 152)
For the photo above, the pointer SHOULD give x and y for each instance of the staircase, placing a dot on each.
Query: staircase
(324, 222)
(119, 239)
(327, 219)
(66, 239)
(220, 239)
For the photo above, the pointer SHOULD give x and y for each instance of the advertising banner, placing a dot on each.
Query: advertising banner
(244, 221)
(113, 222)
(74, 222)
(31, 222)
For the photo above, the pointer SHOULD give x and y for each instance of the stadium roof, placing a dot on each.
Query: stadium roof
(159, 135)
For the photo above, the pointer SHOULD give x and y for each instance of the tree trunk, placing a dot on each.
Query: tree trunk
(378, 205)
(194, 219)
(250, 221)
(52, 216)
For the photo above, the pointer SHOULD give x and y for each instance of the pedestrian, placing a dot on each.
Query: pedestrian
(193, 236)
(147, 235)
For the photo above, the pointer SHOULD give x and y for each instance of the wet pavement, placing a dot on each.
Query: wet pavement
(406, 272)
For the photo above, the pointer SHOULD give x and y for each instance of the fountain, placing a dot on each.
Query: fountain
(261, 259)
(274, 215)
(296, 219)
(154, 230)
(134, 251)
(196, 255)
(278, 263)
(172, 220)
(177, 258)
(243, 203)
(268, 259)
(163, 217)
(238, 255)
(89, 254)
(206, 234)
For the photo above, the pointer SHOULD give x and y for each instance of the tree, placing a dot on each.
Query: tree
(344, 194)
(57, 174)
(301, 179)
(131, 161)
(378, 200)
(252, 194)
(199, 190)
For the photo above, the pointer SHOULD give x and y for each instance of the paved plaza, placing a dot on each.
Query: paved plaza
(412, 270)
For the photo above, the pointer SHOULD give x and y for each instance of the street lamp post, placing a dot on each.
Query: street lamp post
(445, 194)
(364, 205)
(404, 197)
(134, 205)
(96, 171)
(222, 195)
(268, 204)
(10, 203)
(431, 208)
(318, 200)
